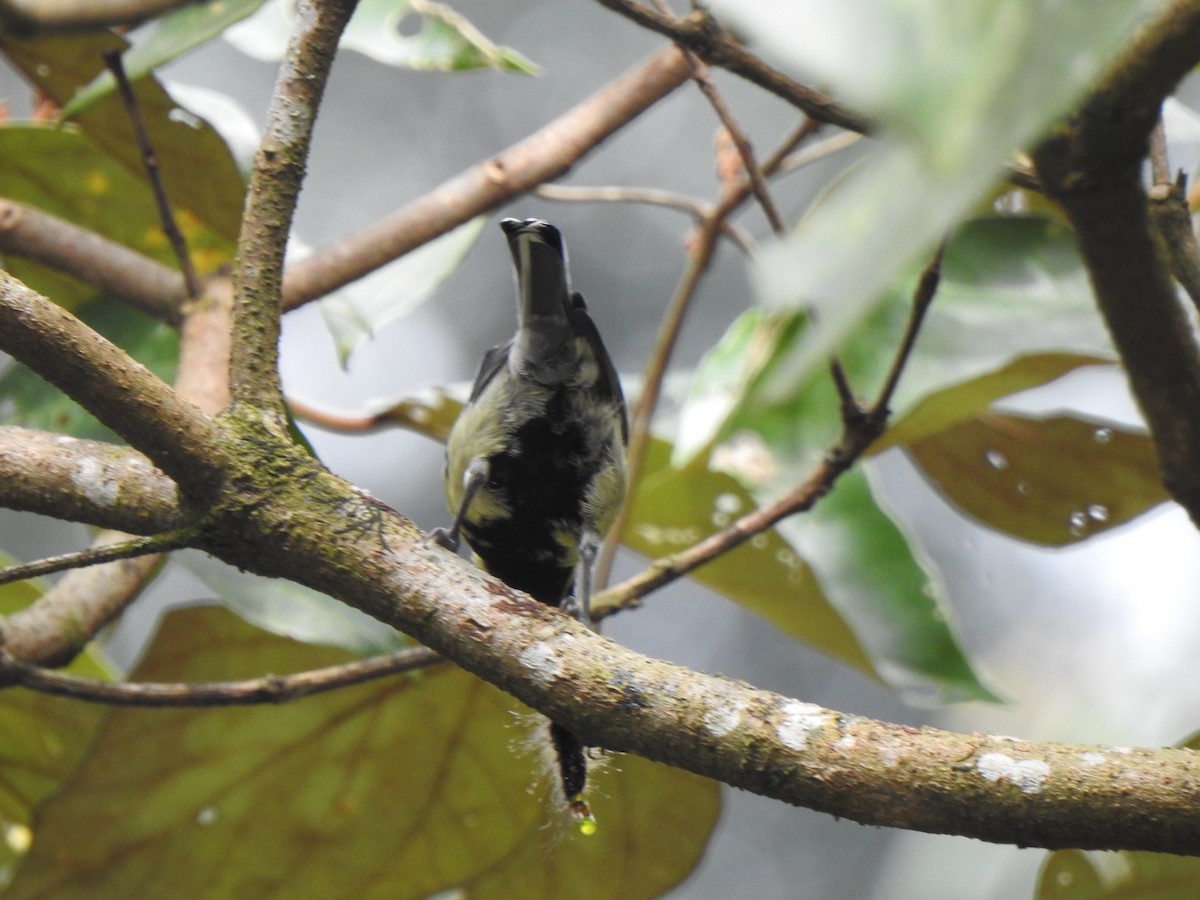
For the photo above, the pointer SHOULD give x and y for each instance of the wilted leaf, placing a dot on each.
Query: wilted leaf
(173, 35)
(1051, 481)
(399, 788)
(869, 571)
(395, 290)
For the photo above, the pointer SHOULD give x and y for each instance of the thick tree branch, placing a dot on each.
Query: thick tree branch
(996, 789)
(118, 390)
(1092, 167)
(279, 167)
(84, 481)
(547, 154)
(114, 268)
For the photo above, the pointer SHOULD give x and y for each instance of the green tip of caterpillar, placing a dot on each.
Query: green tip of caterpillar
(583, 813)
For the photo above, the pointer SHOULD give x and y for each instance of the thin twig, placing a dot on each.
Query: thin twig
(544, 155)
(703, 80)
(697, 209)
(1169, 211)
(860, 428)
(140, 546)
(923, 295)
(112, 59)
(701, 33)
(251, 691)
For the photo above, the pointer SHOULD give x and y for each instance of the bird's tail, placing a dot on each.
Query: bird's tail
(572, 770)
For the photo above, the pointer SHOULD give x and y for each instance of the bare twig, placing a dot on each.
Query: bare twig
(702, 247)
(1169, 210)
(78, 559)
(697, 209)
(61, 622)
(112, 59)
(701, 76)
(543, 156)
(701, 34)
(251, 691)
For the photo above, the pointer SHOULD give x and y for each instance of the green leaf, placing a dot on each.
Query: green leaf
(892, 599)
(291, 610)
(963, 401)
(445, 41)
(172, 36)
(675, 508)
(398, 788)
(1051, 481)
(27, 400)
(59, 171)
(1075, 875)
(392, 292)
(958, 88)
(44, 739)
(209, 209)
(1014, 310)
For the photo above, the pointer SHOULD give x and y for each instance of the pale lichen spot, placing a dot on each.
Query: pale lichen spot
(719, 721)
(889, 755)
(846, 742)
(541, 661)
(798, 722)
(88, 477)
(1092, 758)
(1027, 774)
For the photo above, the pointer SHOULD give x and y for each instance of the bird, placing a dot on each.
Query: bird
(535, 462)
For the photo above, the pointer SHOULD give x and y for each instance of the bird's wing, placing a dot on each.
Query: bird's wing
(583, 326)
(493, 361)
